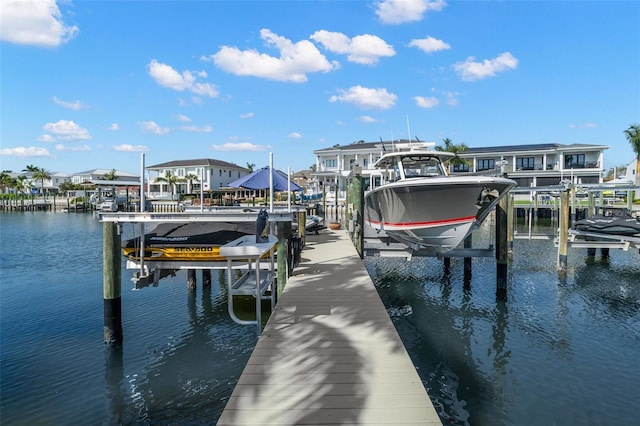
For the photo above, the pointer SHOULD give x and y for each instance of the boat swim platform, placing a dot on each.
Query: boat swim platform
(329, 354)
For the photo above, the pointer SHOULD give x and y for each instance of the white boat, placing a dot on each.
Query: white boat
(420, 205)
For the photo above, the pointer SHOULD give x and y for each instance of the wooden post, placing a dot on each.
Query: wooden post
(284, 235)
(591, 204)
(446, 263)
(191, 279)
(511, 216)
(573, 205)
(501, 248)
(356, 200)
(111, 282)
(206, 278)
(563, 230)
(467, 262)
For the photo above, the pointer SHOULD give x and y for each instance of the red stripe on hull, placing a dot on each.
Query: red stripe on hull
(425, 224)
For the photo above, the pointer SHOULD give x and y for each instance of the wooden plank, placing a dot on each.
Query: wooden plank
(329, 354)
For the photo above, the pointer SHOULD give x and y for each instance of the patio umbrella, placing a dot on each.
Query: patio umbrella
(259, 179)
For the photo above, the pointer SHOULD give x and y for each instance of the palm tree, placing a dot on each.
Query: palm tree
(190, 177)
(171, 179)
(41, 175)
(458, 149)
(250, 167)
(633, 136)
(112, 175)
(31, 168)
(5, 180)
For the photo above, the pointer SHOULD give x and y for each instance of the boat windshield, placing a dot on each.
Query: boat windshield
(421, 166)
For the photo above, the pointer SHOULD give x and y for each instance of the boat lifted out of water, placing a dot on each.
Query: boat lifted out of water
(418, 204)
(190, 241)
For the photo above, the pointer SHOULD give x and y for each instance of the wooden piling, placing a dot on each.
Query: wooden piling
(284, 236)
(563, 230)
(511, 216)
(206, 278)
(191, 279)
(111, 282)
(468, 243)
(501, 248)
(356, 212)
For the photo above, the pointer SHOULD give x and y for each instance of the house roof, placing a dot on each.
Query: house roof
(207, 162)
(531, 147)
(101, 172)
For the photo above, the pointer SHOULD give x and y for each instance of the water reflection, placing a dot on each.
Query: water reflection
(561, 345)
(184, 380)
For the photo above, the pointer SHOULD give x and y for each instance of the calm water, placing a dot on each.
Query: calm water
(563, 349)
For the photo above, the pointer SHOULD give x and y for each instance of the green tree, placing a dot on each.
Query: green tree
(112, 175)
(449, 146)
(632, 133)
(5, 180)
(250, 167)
(171, 179)
(41, 175)
(190, 178)
(31, 168)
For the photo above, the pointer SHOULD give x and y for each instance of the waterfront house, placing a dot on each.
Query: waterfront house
(206, 174)
(529, 165)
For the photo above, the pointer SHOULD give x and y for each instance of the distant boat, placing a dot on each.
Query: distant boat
(199, 241)
(419, 205)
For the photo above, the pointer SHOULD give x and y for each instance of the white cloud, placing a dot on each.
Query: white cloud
(114, 127)
(365, 97)
(74, 105)
(428, 102)
(22, 151)
(401, 11)
(183, 118)
(125, 147)
(240, 146)
(469, 70)
(429, 44)
(152, 127)
(363, 49)
(34, 22)
(166, 76)
(197, 129)
(81, 148)
(367, 119)
(294, 135)
(583, 126)
(452, 98)
(293, 64)
(64, 130)
(247, 115)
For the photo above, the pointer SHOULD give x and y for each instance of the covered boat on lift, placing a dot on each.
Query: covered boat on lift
(195, 241)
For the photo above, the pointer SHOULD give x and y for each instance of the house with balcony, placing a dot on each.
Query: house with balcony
(204, 174)
(529, 165)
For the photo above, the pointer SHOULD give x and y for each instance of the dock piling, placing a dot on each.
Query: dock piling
(501, 248)
(111, 282)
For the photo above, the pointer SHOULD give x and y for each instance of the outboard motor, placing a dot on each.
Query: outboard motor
(261, 226)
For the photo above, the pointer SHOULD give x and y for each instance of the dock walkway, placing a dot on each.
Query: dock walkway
(329, 354)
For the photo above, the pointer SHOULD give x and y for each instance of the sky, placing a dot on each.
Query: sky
(93, 84)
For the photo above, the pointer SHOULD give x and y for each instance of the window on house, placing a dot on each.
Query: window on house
(220, 172)
(574, 161)
(229, 173)
(526, 163)
(331, 163)
(486, 164)
(460, 168)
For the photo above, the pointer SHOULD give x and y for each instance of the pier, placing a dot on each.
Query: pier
(329, 354)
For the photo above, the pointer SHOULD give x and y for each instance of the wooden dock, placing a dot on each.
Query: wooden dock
(329, 354)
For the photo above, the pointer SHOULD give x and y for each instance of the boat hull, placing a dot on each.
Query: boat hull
(433, 213)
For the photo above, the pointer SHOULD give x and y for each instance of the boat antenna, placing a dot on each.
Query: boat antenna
(408, 130)
(383, 148)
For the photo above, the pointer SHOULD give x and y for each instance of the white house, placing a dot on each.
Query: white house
(210, 174)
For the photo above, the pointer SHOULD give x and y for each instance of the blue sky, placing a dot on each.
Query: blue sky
(92, 84)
